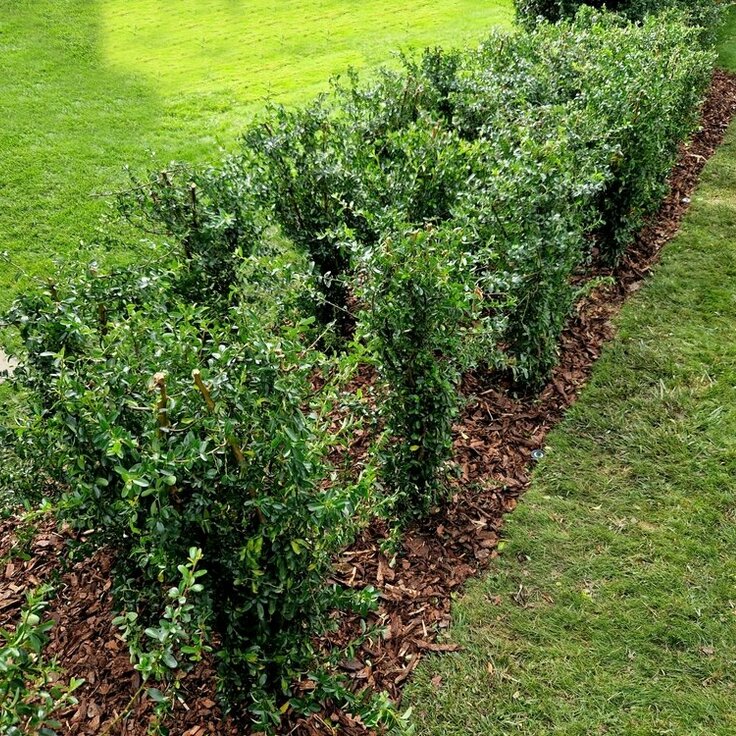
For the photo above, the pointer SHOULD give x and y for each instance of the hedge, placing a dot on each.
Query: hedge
(430, 221)
(705, 14)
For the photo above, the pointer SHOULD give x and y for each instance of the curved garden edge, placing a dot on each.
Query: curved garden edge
(493, 444)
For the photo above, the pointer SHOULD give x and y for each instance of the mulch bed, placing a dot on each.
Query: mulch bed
(494, 440)
(87, 645)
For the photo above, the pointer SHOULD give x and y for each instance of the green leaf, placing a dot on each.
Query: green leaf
(156, 695)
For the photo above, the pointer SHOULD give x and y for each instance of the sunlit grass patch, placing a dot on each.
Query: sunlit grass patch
(255, 49)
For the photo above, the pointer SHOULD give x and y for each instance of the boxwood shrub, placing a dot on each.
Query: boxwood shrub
(166, 429)
(625, 94)
(423, 321)
(706, 14)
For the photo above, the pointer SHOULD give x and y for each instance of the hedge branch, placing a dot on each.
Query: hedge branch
(234, 445)
(162, 405)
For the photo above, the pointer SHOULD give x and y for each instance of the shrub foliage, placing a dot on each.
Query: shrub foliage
(421, 320)
(705, 14)
(433, 220)
(172, 430)
(31, 694)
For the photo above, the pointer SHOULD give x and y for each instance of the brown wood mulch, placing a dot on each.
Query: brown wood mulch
(494, 440)
(87, 645)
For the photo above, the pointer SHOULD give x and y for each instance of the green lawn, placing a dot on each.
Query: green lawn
(88, 86)
(613, 607)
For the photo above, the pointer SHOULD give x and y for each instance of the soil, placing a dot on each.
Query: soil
(494, 440)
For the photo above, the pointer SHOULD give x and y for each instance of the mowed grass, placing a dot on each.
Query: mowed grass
(612, 609)
(89, 86)
(240, 52)
(727, 41)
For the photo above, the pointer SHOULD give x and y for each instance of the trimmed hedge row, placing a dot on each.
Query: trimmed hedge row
(530, 145)
(705, 14)
(428, 222)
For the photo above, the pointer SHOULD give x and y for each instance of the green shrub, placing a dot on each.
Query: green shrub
(31, 694)
(528, 12)
(665, 75)
(161, 652)
(336, 177)
(623, 95)
(313, 193)
(397, 98)
(170, 430)
(705, 14)
(213, 215)
(524, 219)
(421, 319)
